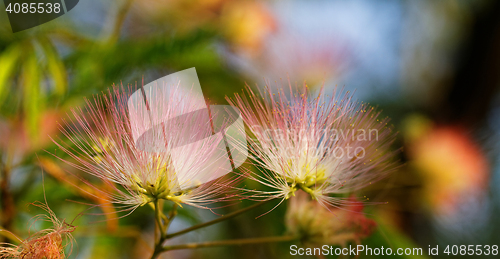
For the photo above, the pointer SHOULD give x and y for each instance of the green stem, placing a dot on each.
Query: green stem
(158, 216)
(7, 205)
(9, 235)
(307, 190)
(171, 216)
(246, 241)
(206, 224)
(163, 227)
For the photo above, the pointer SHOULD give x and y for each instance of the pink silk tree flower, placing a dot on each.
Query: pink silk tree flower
(327, 146)
(167, 151)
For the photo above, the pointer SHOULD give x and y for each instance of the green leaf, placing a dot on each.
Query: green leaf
(390, 237)
(55, 66)
(8, 60)
(32, 101)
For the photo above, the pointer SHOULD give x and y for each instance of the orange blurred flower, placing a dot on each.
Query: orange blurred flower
(246, 25)
(17, 139)
(451, 163)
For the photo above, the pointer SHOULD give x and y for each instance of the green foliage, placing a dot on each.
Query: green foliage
(52, 69)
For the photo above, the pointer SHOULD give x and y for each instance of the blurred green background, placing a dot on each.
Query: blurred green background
(432, 66)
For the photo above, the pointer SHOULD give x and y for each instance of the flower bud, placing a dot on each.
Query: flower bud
(318, 225)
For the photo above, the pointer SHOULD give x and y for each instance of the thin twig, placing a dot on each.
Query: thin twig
(246, 241)
(206, 224)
